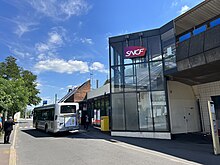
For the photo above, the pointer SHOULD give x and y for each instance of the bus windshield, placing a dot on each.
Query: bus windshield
(68, 109)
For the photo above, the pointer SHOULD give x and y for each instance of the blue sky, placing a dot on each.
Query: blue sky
(63, 41)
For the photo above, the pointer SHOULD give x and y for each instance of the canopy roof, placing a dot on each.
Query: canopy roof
(196, 16)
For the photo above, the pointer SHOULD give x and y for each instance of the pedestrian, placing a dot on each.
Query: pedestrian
(86, 122)
(0, 122)
(8, 127)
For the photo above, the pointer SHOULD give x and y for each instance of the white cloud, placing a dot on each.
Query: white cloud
(97, 66)
(42, 47)
(60, 10)
(86, 41)
(184, 9)
(174, 4)
(62, 66)
(56, 39)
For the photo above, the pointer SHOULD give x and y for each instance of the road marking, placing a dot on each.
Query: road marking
(12, 157)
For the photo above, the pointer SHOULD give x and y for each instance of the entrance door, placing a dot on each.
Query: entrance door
(191, 124)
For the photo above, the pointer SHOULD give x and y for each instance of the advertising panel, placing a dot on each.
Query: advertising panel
(70, 121)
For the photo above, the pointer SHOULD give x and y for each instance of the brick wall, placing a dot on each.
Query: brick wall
(80, 94)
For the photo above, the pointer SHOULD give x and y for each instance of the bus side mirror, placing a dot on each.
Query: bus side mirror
(55, 117)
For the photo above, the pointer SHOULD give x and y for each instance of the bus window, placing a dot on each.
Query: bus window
(68, 109)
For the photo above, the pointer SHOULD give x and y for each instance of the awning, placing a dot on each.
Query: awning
(196, 16)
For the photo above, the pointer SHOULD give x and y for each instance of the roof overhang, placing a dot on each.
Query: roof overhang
(198, 75)
(196, 16)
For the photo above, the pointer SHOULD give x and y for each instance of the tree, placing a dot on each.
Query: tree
(30, 82)
(17, 87)
(9, 69)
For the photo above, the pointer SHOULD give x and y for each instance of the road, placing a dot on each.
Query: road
(91, 147)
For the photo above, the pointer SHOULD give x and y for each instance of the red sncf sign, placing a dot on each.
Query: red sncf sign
(134, 51)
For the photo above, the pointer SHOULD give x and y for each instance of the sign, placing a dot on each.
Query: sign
(214, 127)
(134, 51)
(44, 102)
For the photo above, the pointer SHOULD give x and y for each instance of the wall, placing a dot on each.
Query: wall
(184, 115)
(82, 91)
(204, 93)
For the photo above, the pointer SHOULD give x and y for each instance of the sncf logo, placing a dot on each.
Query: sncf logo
(134, 51)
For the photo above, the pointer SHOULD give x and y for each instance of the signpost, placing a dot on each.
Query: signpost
(214, 127)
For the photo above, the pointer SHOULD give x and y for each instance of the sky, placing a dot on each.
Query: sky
(65, 42)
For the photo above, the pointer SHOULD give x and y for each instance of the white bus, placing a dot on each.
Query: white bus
(57, 117)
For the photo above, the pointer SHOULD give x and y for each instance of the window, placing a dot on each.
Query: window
(116, 79)
(159, 111)
(116, 53)
(130, 77)
(131, 111)
(118, 118)
(68, 109)
(156, 75)
(154, 48)
(143, 82)
(145, 111)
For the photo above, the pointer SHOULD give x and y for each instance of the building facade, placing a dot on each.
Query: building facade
(161, 79)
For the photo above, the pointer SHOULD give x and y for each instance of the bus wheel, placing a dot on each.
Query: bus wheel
(46, 128)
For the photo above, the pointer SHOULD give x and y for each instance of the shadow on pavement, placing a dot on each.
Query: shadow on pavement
(41, 134)
(192, 147)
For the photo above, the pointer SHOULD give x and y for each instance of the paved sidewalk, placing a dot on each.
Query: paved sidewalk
(4, 151)
(192, 147)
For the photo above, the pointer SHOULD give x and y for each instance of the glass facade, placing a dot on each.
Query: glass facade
(138, 88)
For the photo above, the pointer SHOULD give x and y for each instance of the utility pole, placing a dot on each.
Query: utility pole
(55, 100)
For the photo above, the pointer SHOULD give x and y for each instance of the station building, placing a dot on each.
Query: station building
(161, 79)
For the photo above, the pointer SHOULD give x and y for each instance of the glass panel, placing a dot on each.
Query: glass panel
(116, 79)
(112, 55)
(154, 48)
(156, 74)
(160, 111)
(117, 53)
(126, 44)
(143, 82)
(169, 50)
(170, 62)
(145, 111)
(130, 78)
(118, 119)
(145, 40)
(103, 110)
(131, 111)
(168, 38)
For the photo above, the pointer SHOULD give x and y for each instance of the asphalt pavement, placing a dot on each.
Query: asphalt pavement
(35, 147)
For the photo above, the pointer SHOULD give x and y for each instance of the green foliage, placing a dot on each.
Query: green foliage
(17, 87)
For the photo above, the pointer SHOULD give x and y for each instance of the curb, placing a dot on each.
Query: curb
(12, 156)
